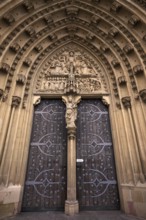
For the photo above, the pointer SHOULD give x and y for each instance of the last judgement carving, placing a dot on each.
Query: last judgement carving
(71, 71)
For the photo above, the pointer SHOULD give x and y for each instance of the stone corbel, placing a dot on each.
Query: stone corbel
(36, 100)
(106, 100)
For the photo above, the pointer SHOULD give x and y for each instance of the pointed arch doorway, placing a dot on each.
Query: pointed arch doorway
(46, 179)
(57, 151)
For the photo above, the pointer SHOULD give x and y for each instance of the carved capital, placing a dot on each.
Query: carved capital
(71, 110)
(142, 94)
(21, 79)
(126, 101)
(4, 68)
(16, 101)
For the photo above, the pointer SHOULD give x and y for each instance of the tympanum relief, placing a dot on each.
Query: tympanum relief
(71, 71)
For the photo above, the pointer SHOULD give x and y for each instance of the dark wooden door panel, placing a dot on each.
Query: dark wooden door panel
(45, 186)
(96, 176)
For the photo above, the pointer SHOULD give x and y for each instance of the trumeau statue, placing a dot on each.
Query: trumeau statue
(71, 109)
(71, 70)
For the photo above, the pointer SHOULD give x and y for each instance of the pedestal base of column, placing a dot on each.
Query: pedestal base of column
(71, 207)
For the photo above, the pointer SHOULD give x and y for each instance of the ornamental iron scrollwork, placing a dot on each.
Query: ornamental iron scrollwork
(45, 185)
(96, 175)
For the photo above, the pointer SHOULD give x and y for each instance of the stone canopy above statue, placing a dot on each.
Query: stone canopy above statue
(71, 70)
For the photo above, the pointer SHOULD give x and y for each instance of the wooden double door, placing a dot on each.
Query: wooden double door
(46, 178)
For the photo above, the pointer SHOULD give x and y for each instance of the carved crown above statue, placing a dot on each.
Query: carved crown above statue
(71, 70)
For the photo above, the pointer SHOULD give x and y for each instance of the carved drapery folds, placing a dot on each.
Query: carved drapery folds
(71, 71)
(71, 110)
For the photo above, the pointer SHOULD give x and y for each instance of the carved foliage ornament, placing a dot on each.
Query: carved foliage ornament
(16, 101)
(71, 71)
(142, 94)
(126, 101)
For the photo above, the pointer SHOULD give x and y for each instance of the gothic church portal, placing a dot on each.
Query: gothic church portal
(72, 106)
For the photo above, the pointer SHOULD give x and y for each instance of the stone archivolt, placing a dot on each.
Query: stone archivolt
(107, 55)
